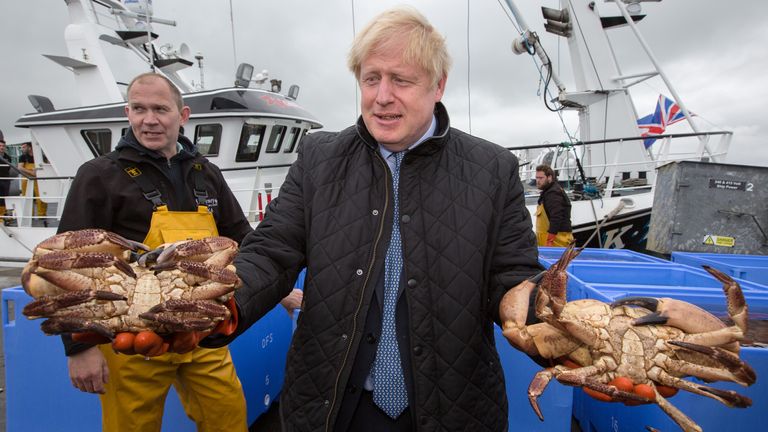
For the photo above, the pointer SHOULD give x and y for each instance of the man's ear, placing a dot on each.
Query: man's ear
(185, 111)
(440, 89)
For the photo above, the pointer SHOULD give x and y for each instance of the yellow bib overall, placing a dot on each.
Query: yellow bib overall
(205, 379)
(42, 208)
(562, 238)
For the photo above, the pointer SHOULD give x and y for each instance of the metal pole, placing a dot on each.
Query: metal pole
(533, 39)
(622, 7)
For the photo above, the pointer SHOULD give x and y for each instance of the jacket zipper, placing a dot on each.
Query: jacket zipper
(362, 292)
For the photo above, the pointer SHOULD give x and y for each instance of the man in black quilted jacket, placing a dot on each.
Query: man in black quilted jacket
(411, 232)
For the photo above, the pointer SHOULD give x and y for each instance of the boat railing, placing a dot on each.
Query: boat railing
(21, 204)
(254, 188)
(614, 171)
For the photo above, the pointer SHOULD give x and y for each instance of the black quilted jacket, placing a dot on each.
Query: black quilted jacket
(467, 237)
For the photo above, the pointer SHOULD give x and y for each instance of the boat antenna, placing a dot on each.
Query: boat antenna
(199, 58)
(151, 46)
(232, 29)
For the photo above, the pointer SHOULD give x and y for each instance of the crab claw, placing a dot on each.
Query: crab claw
(737, 305)
(201, 270)
(676, 313)
(89, 240)
(214, 250)
(53, 272)
(551, 298)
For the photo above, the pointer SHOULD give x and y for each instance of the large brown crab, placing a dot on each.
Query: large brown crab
(83, 282)
(652, 342)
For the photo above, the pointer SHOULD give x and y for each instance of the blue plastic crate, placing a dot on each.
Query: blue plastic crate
(555, 402)
(668, 277)
(753, 268)
(36, 373)
(549, 255)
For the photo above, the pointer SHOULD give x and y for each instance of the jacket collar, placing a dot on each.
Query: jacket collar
(129, 141)
(429, 146)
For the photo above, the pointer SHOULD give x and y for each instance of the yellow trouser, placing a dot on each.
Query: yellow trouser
(562, 238)
(42, 207)
(205, 379)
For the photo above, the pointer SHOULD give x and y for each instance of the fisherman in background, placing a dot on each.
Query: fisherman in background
(553, 214)
(27, 166)
(5, 173)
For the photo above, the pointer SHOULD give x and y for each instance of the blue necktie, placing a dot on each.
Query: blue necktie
(389, 391)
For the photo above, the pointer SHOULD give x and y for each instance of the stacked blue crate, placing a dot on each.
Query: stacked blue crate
(36, 374)
(753, 268)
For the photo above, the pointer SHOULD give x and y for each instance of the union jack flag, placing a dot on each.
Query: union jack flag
(667, 112)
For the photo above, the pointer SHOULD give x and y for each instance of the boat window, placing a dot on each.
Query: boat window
(207, 139)
(293, 138)
(250, 143)
(276, 139)
(98, 140)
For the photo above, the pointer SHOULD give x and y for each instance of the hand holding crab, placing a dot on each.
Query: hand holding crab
(82, 282)
(618, 352)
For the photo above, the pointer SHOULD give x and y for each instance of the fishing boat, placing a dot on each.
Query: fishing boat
(251, 131)
(609, 170)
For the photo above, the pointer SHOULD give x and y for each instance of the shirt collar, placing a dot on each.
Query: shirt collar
(428, 134)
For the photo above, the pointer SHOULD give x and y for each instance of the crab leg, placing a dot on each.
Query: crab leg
(187, 315)
(59, 325)
(737, 371)
(579, 377)
(682, 420)
(726, 397)
(47, 306)
(210, 308)
(176, 323)
(584, 377)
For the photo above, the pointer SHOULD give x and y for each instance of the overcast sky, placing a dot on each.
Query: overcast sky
(713, 51)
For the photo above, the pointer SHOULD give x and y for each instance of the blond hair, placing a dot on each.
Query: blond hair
(425, 47)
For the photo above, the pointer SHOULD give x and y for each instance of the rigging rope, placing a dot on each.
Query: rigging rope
(354, 32)
(469, 69)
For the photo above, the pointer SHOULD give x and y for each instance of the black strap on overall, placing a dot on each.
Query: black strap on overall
(149, 190)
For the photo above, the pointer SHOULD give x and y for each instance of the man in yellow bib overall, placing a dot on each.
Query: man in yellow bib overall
(155, 188)
(27, 166)
(553, 214)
